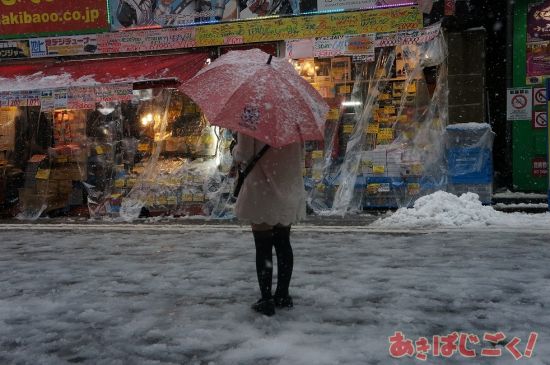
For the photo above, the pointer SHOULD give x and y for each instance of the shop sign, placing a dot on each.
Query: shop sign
(299, 48)
(67, 98)
(408, 37)
(539, 167)
(117, 92)
(60, 99)
(359, 44)
(540, 120)
(329, 46)
(519, 104)
(265, 30)
(146, 40)
(19, 98)
(14, 49)
(63, 46)
(46, 100)
(39, 17)
(325, 25)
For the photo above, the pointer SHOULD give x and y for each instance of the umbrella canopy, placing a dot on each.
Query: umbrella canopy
(241, 91)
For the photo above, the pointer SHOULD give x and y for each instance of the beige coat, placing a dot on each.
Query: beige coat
(273, 192)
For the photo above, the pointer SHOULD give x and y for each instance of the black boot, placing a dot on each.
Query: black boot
(264, 270)
(285, 265)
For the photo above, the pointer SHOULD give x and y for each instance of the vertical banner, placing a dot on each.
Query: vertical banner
(548, 139)
(36, 17)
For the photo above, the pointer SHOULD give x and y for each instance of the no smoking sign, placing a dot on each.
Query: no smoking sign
(540, 119)
(520, 101)
(539, 96)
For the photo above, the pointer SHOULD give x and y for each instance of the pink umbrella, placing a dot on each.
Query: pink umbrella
(265, 98)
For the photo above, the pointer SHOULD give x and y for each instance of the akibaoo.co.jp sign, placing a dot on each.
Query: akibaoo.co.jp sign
(40, 17)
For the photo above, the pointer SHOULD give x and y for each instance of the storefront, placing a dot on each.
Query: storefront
(531, 66)
(114, 136)
(82, 134)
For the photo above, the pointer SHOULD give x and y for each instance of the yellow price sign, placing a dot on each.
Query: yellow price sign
(143, 147)
(348, 128)
(43, 174)
(413, 188)
(378, 169)
(373, 188)
(130, 182)
(187, 197)
(317, 174)
(317, 154)
(99, 150)
(373, 128)
(403, 118)
(345, 89)
(119, 183)
(171, 200)
(385, 134)
(333, 114)
(198, 197)
(389, 109)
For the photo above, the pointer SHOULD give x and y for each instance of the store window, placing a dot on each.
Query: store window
(383, 146)
(156, 151)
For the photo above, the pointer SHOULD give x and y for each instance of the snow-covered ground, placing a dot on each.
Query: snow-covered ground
(159, 293)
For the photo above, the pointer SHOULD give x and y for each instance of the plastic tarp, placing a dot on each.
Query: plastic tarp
(385, 145)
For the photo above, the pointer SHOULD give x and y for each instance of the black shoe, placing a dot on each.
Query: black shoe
(265, 307)
(283, 302)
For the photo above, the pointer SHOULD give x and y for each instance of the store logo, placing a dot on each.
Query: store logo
(250, 118)
(463, 344)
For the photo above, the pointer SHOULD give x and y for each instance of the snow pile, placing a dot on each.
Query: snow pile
(39, 81)
(448, 210)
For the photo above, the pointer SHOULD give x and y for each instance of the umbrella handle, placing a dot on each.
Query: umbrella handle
(269, 60)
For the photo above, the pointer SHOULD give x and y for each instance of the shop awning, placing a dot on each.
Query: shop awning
(53, 74)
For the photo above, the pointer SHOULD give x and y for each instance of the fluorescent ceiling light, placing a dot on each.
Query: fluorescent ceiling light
(351, 103)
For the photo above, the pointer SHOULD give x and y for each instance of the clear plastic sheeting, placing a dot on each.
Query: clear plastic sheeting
(153, 153)
(469, 156)
(390, 133)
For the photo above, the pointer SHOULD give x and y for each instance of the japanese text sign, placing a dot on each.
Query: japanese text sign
(39, 17)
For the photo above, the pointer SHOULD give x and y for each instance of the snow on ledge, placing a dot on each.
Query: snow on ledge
(442, 209)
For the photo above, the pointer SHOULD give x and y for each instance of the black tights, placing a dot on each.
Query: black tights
(279, 237)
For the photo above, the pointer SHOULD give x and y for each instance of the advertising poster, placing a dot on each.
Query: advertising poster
(349, 45)
(35, 17)
(538, 41)
(63, 46)
(155, 39)
(14, 49)
(151, 13)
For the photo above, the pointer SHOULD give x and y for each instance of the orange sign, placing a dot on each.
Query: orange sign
(41, 17)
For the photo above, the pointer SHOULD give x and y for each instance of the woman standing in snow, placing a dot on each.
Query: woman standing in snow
(272, 198)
